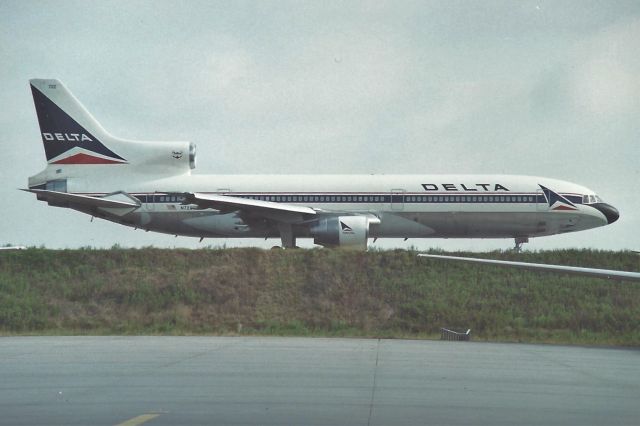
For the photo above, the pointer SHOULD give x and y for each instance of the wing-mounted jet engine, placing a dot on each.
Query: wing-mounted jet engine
(343, 231)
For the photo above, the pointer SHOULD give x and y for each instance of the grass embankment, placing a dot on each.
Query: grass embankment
(314, 292)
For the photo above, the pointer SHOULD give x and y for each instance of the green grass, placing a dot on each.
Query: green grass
(390, 294)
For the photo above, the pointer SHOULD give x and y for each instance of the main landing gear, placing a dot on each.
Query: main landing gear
(519, 242)
(286, 235)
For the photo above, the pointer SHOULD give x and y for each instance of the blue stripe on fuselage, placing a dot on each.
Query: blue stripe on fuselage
(371, 198)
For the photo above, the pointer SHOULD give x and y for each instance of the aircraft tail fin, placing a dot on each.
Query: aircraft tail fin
(69, 132)
(72, 137)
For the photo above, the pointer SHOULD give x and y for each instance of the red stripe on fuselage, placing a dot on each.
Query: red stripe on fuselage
(561, 207)
(87, 159)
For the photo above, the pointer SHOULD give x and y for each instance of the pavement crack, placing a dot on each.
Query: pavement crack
(373, 388)
(197, 355)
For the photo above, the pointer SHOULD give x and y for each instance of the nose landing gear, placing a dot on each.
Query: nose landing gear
(519, 241)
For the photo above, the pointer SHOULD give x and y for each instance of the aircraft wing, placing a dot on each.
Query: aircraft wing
(590, 272)
(281, 212)
(63, 198)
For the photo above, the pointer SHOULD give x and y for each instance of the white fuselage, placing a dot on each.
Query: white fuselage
(408, 206)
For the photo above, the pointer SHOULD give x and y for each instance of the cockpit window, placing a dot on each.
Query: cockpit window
(591, 199)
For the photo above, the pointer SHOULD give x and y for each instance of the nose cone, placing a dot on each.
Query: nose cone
(610, 212)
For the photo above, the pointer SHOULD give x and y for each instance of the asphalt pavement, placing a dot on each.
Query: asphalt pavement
(312, 381)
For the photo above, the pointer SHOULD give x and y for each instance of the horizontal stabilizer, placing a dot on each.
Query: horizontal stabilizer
(590, 272)
(64, 198)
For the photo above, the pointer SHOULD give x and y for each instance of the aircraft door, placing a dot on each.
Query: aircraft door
(541, 201)
(150, 205)
(397, 199)
(58, 185)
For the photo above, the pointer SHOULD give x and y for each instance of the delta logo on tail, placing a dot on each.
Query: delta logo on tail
(557, 201)
(65, 141)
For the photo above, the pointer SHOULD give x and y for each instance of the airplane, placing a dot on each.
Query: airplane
(150, 186)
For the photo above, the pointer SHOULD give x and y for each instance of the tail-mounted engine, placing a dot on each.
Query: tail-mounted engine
(349, 232)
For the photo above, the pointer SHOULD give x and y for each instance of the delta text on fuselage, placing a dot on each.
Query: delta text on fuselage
(464, 187)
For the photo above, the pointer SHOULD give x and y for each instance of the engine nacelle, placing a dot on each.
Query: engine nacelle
(164, 157)
(351, 232)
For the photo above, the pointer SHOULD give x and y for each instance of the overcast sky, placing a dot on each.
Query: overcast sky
(520, 87)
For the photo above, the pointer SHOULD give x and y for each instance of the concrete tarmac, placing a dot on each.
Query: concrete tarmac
(309, 381)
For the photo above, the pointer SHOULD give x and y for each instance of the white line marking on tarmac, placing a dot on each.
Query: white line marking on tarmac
(138, 420)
